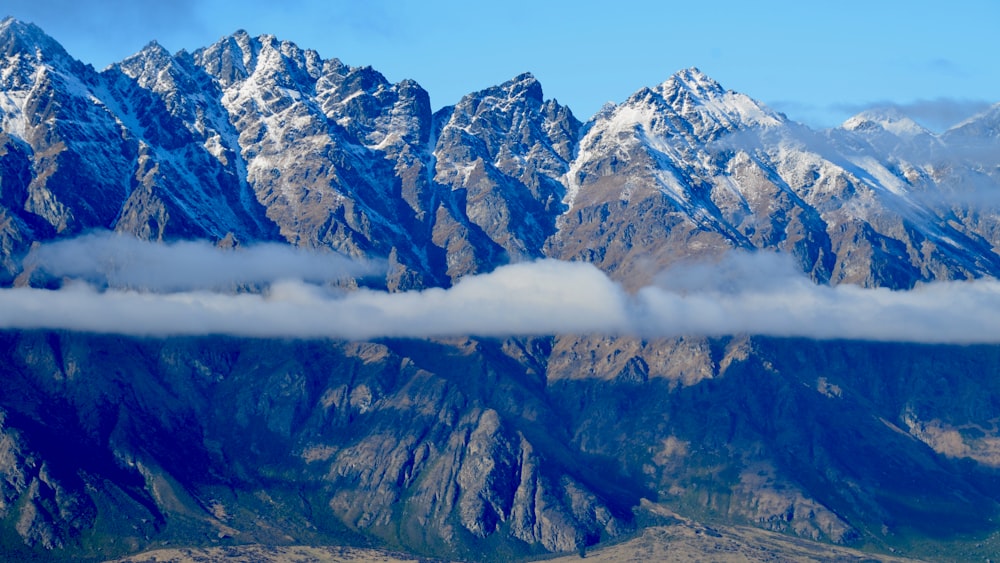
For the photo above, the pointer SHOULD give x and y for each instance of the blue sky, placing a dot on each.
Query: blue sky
(818, 62)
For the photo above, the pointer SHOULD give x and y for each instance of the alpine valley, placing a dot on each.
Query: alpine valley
(472, 447)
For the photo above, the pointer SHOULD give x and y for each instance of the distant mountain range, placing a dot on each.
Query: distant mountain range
(474, 447)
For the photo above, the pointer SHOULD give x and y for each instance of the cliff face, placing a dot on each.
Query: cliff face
(435, 455)
(462, 446)
(453, 447)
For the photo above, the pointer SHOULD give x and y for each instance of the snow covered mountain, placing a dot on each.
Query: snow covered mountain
(516, 446)
(689, 166)
(258, 139)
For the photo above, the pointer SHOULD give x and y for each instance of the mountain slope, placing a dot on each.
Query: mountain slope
(689, 168)
(464, 446)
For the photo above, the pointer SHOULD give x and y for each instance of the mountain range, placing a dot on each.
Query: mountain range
(462, 446)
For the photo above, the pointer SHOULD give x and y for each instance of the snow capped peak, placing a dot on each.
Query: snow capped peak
(524, 77)
(340, 84)
(691, 97)
(17, 37)
(153, 54)
(154, 48)
(237, 57)
(690, 89)
(889, 119)
(524, 86)
(694, 81)
(607, 108)
(154, 68)
(369, 76)
(231, 59)
(510, 95)
(11, 27)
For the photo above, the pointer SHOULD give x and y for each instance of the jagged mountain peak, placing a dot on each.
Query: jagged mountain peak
(284, 46)
(153, 48)
(524, 85)
(230, 59)
(700, 98)
(499, 107)
(153, 55)
(688, 104)
(12, 24)
(14, 28)
(18, 37)
(237, 57)
(364, 78)
(694, 81)
(376, 111)
(507, 147)
(155, 68)
(511, 93)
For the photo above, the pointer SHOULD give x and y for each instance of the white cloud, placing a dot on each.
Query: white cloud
(538, 298)
(124, 262)
(763, 294)
(742, 293)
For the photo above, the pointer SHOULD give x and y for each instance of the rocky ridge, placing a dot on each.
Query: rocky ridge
(458, 447)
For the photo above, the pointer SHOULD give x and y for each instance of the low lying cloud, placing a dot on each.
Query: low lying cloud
(758, 293)
(124, 262)
(776, 301)
(538, 298)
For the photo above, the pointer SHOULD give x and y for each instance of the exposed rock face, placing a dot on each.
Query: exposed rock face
(441, 447)
(507, 148)
(43, 510)
(458, 447)
(368, 431)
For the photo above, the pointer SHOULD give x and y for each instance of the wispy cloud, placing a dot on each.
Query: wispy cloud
(757, 293)
(813, 115)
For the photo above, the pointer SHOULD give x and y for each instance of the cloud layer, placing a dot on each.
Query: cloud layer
(124, 262)
(757, 293)
(538, 298)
